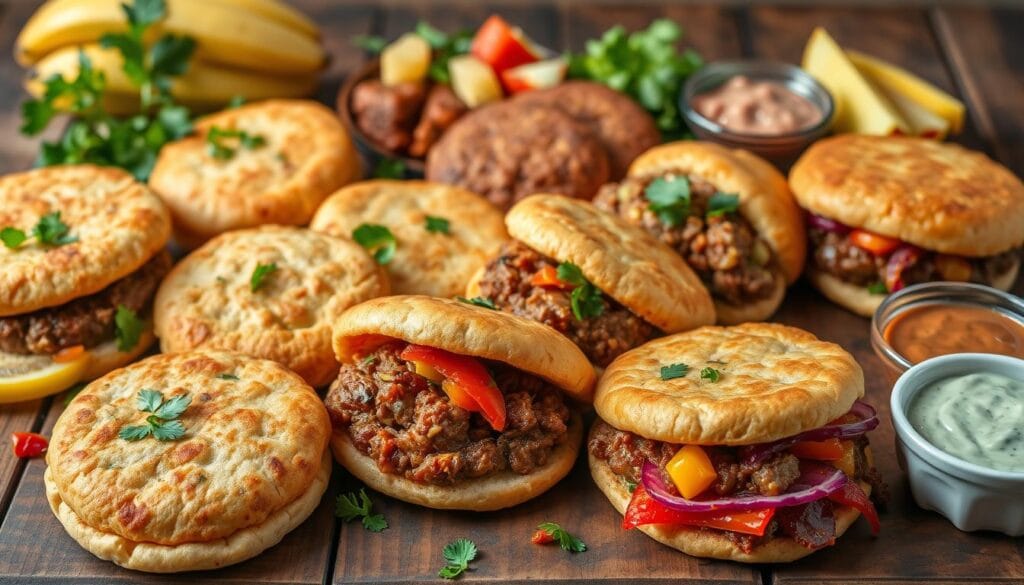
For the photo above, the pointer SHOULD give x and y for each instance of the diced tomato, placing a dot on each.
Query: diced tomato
(851, 495)
(644, 510)
(28, 445)
(542, 537)
(877, 244)
(827, 450)
(502, 46)
(69, 354)
(548, 277)
(469, 375)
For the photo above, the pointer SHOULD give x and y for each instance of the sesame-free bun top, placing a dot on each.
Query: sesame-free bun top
(425, 262)
(207, 300)
(307, 155)
(622, 260)
(119, 223)
(765, 199)
(775, 381)
(935, 195)
(254, 445)
(466, 329)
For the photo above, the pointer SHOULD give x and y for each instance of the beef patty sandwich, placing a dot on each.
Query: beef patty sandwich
(887, 212)
(607, 285)
(82, 256)
(728, 213)
(743, 443)
(454, 406)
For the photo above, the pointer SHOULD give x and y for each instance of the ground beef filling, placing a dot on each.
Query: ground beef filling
(724, 251)
(86, 321)
(506, 282)
(407, 425)
(835, 254)
(812, 525)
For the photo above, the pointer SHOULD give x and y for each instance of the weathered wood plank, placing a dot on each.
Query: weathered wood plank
(17, 152)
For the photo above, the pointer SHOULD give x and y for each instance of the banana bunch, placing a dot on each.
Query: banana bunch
(256, 49)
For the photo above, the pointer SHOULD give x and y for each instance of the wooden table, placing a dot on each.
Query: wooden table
(974, 52)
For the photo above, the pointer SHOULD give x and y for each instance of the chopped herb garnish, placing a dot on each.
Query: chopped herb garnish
(377, 240)
(565, 540)
(350, 506)
(878, 288)
(438, 225)
(478, 301)
(721, 203)
(217, 142)
(236, 102)
(49, 231)
(162, 423)
(227, 377)
(368, 360)
(458, 554)
(630, 486)
(127, 328)
(260, 274)
(585, 300)
(389, 168)
(12, 237)
(674, 371)
(710, 374)
(372, 44)
(669, 198)
(445, 47)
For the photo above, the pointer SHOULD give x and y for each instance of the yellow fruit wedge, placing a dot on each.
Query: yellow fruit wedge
(899, 80)
(921, 120)
(860, 107)
(280, 12)
(30, 377)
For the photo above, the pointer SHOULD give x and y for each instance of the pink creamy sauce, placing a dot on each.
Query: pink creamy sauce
(745, 106)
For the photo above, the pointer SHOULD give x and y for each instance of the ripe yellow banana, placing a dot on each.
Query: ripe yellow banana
(280, 12)
(205, 87)
(224, 33)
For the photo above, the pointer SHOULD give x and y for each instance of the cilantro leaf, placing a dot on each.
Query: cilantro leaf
(585, 299)
(669, 198)
(162, 423)
(721, 203)
(564, 539)
(375, 523)
(135, 433)
(171, 430)
(674, 371)
(127, 328)
(173, 408)
(877, 288)
(458, 554)
(389, 168)
(445, 47)
(437, 225)
(218, 139)
(143, 13)
(51, 231)
(479, 302)
(368, 360)
(350, 506)
(225, 376)
(571, 274)
(377, 240)
(372, 44)
(12, 237)
(148, 400)
(260, 274)
(710, 374)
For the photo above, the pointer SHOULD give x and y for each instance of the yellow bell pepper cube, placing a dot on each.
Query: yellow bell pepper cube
(691, 470)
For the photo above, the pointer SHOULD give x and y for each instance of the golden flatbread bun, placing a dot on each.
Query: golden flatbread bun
(249, 468)
(307, 155)
(708, 543)
(765, 199)
(106, 358)
(425, 262)
(775, 381)
(207, 300)
(622, 260)
(936, 195)
(493, 492)
(466, 329)
(761, 310)
(120, 224)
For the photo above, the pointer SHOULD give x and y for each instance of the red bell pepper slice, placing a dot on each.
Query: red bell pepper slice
(643, 510)
(827, 450)
(28, 445)
(501, 46)
(469, 375)
(851, 495)
(877, 244)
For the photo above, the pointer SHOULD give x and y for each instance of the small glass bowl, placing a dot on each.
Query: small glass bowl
(778, 148)
(934, 293)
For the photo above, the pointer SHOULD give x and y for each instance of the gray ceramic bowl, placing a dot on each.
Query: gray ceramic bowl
(971, 496)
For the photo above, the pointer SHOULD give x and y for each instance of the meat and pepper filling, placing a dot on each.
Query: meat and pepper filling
(528, 284)
(402, 413)
(407, 118)
(701, 224)
(811, 524)
(87, 321)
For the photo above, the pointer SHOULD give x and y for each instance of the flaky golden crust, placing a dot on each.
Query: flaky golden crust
(192, 556)
(307, 156)
(936, 195)
(710, 543)
(207, 301)
(765, 199)
(622, 260)
(775, 381)
(120, 224)
(493, 492)
(425, 262)
(467, 330)
(265, 432)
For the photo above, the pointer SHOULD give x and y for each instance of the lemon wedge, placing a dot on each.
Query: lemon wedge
(29, 377)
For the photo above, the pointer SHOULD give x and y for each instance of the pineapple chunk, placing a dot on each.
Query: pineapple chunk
(405, 60)
(473, 81)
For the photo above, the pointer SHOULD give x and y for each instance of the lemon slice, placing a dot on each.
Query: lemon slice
(30, 377)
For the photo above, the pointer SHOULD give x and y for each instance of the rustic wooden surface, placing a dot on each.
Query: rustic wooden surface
(973, 51)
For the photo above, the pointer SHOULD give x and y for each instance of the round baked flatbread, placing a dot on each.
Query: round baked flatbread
(306, 156)
(774, 382)
(936, 195)
(207, 300)
(426, 262)
(466, 329)
(624, 261)
(250, 467)
(118, 225)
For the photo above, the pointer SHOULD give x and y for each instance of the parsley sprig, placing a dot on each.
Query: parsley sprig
(349, 506)
(163, 421)
(438, 225)
(127, 328)
(260, 274)
(49, 231)
(458, 554)
(721, 203)
(377, 240)
(710, 374)
(564, 539)
(585, 299)
(389, 168)
(220, 141)
(669, 198)
(673, 371)
(479, 302)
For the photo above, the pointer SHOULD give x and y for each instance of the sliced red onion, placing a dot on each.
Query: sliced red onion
(863, 410)
(904, 257)
(828, 225)
(816, 481)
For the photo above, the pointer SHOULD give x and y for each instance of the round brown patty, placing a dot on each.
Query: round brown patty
(624, 128)
(515, 148)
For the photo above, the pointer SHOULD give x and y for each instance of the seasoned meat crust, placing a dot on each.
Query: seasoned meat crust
(506, 282)
(408, 426)
(87, 321)
(725, 251)
(387, 115)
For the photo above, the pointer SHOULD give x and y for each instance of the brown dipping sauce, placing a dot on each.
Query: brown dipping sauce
(747, 106)
(932, 330)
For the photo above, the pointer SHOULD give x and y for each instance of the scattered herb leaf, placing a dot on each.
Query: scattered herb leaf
(236, 102)
(564, 539)
(630, 486)
(669, 198)
(585, 299)
(479, 302)
(438, 225)
(127, 328)
(878, 288)
(218, 139)
(372, 44)
(162, 423)
(710, 374)
(226, 376)
(445, 47)
(260, 274)
(368, 360)
(12, 237)
(389, 168)
(721, 203)
(377, 240)
(50, 230)
(671, 372)
(350, 506)
(458, 554)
